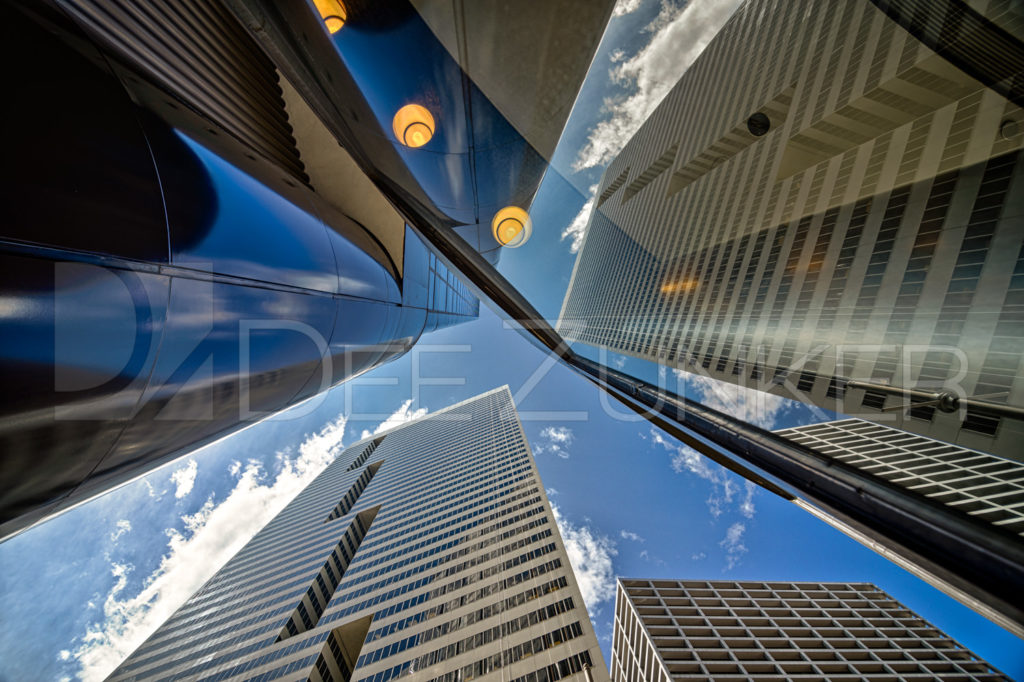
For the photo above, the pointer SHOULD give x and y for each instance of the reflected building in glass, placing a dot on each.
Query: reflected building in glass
(982, 485)
(426, 552)
(728, 630)
(821, 198)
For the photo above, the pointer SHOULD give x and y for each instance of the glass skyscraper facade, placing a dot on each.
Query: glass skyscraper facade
(820, 198)
(428, 552)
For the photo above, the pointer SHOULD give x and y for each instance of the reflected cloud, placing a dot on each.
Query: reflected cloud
(678, 35)
(184, 479)
(578, 227)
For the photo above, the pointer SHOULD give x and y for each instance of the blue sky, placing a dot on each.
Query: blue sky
(88, 586)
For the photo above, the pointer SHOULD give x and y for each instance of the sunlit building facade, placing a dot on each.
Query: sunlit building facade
(820, 198)
(428, 552)
(726, 630)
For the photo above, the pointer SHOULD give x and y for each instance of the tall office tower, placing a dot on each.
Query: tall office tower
(822, 198)
(977, 483)
(725, 630)
(428, 553)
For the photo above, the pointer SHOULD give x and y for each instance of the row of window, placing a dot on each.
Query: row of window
(283, 545)
(276, 584)
(436, 592)
(296, 546)
(468, 619)
(432, 510)
(395, 608)
(505, 508)
(459, 567)
(511, 655)
(455, 516)
(467, 644)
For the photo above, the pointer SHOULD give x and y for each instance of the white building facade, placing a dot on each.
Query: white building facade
(428, 552)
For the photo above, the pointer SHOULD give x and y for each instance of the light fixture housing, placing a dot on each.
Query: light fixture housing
(413, 125)
(333, 13)
(511, 227)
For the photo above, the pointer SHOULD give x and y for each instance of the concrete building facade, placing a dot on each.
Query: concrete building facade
(725, 630)
(820, 198)
(428, 552)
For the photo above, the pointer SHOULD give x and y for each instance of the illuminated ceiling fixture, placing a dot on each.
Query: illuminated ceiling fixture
(413, 125)
(512, 226)
(333, 13)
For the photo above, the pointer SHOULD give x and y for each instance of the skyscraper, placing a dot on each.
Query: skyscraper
(426, 550)
(974, 482)
(726, 630)
(820, 198)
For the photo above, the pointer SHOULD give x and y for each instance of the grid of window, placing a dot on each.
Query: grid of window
(449, 536)
(724, 630)
(977, 483)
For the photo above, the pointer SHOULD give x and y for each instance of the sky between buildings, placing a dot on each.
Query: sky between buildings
(86, 588)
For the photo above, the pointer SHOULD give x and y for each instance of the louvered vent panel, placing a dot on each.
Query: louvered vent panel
(197, 51)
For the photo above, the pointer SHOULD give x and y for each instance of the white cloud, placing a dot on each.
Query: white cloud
(733, 545)
(64, 654)
(753, 406)
(630, 535)
(184, 478)
(210, 537)
(590, 555)
(551, 491)
(644, 555)
(678, 35)
(400, 416)
(150, 490)
(556, 440)
(578, 227)
(747, 505)
(120, 528)
(624, 7)
(699, 556)
(235, 468)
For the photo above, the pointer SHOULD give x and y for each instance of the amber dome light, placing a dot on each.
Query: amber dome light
(333, 13)
(512, 226)
(413, 125)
